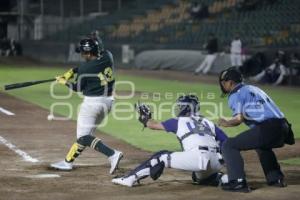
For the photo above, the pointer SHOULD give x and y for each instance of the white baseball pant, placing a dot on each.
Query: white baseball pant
(206, 64)
(236, 59)
(92, 112)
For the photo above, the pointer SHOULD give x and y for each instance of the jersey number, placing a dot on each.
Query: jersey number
(106, 76)
(199, 128)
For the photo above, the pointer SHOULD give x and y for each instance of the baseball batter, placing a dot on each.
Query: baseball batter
(95, 79)
(199, 139)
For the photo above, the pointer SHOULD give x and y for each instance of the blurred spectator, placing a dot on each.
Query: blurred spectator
(276, 73)
(248, 5)
(5, 47)
(9, 47)
(198, 11)
(295, 64)
(17, 48)
(295, 58)
(195, 9)
(254, 65)
(236, 52)
(212, 48)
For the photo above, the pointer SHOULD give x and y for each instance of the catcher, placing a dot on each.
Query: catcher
(200, 140)
(95, 79)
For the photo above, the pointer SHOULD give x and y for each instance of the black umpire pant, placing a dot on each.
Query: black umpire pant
(263, 137)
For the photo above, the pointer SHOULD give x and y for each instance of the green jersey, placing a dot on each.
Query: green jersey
(95, 77)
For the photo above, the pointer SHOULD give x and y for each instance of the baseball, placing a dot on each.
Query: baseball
(50, 117)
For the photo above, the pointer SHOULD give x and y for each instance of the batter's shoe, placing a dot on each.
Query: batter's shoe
(62, 165)
(126, 181)
(239, 185)
(114, 161)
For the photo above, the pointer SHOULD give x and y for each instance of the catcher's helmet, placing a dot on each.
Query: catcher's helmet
(187, 104)
(89, 45)
(230, 73)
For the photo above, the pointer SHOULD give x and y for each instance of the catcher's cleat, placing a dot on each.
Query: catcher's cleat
(62, 165)
(216, 179)
(126, 181)
(114, 161)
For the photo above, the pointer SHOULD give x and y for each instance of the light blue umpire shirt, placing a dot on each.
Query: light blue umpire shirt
(253, 103)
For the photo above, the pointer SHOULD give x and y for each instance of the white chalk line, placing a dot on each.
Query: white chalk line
(7, 112)
(26, 157)
(40, 176)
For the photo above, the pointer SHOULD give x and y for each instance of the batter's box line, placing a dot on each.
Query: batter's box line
(26, 157)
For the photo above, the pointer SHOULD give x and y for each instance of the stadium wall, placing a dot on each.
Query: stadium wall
(146, 56)
(150, 57)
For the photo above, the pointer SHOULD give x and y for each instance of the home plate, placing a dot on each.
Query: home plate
(44, 176)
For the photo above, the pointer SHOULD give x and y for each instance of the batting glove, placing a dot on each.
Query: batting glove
(61, 80)
(68, 75)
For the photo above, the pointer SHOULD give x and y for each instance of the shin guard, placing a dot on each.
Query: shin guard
(74, 152)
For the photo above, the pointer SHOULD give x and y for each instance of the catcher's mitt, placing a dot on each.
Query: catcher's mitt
(144, 113)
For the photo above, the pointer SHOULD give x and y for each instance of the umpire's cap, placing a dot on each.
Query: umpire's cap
(231, 73)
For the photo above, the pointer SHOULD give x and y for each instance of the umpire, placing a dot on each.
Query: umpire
(268, 129)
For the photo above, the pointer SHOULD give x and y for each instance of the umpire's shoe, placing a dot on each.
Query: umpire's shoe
(114, 161)
(239, 185)
(62, 165)
(278, 183)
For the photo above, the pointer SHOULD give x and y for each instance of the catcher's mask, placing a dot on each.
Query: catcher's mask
(232, 74)
(89, 45)
(187, 104)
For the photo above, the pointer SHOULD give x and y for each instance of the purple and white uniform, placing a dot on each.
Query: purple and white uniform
(200, 140)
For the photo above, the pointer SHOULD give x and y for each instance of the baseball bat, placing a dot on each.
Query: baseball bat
(26, 84)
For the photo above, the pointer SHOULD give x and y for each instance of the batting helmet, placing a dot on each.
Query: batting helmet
(232, 74)
(89, 45)
(187, 104)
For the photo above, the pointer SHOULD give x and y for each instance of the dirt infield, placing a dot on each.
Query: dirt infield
(48, 141)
